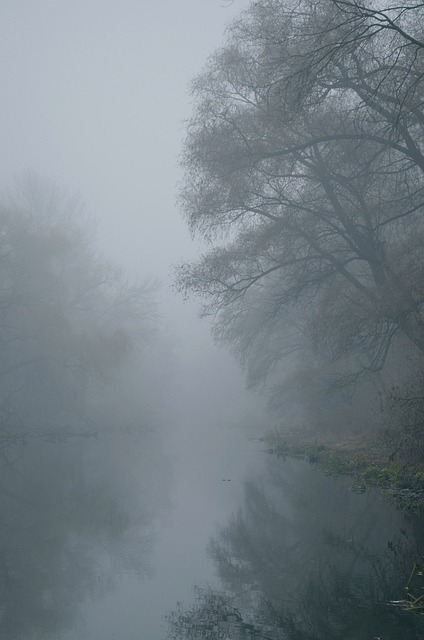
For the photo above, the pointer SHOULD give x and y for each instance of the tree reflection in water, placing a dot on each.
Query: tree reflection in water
(305, 558)
(70, 524)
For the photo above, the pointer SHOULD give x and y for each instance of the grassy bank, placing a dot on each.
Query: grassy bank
(365, 460)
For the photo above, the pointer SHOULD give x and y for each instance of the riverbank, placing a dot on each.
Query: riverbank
(365, 460)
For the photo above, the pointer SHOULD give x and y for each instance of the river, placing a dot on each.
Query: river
(95, 549)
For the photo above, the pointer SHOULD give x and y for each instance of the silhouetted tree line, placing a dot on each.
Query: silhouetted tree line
(304, 174)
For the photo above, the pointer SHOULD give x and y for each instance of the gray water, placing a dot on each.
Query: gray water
(206, 487)
(100, 538)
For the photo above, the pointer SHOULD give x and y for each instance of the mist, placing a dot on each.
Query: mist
(92, 121)
(210, 301)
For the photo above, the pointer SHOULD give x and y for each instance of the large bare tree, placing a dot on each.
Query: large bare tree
(304, 167)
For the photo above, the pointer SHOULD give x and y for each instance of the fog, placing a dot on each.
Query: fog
(139, 499)
(95, 96)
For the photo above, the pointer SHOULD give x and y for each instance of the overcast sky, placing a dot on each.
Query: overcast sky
(94, 94)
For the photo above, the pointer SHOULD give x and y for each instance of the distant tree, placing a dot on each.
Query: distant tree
(304, 173)
(68, 318)
(79, 403)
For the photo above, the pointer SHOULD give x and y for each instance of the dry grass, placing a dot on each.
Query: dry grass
(366, 460)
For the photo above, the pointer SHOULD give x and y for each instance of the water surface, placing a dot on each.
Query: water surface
(102, 537)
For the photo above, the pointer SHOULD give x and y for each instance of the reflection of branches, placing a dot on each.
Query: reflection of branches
(306, 571)
(213, 616)
(64, 512)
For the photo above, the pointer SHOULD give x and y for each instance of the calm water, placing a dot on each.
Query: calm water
(100, 538)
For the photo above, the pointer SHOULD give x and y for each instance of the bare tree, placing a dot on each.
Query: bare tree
(304, 171)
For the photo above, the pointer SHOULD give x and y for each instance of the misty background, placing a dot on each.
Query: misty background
(94, 101)
(131, 467)
(95, 98)
(95, 95)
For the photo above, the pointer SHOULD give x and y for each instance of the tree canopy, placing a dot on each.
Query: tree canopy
(304, 173)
